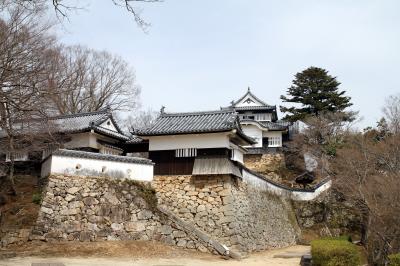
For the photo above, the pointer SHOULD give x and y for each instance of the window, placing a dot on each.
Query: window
(190, 152)
(110, 151)
(263, 117)
(275, 141)
(251, 117)
(18, 156)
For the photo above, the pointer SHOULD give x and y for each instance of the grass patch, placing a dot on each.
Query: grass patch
(394, 259)
(37, 198)
(334, 253)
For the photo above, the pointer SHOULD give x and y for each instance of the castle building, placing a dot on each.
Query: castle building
(259, 121)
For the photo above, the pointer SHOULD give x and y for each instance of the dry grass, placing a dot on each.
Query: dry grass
(20, 211)
(131, 249)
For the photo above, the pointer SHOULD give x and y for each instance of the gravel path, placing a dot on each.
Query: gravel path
(285, 257)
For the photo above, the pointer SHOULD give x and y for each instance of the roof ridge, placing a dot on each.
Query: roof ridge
(198, 113)
(248, 92)
(104, 111)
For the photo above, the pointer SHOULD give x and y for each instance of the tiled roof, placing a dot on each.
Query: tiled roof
(134, 140)
(273, 126)
(74, 123)
(249, 93)
(100, 156)
(86, 121)
(196, 122)
(258, 108)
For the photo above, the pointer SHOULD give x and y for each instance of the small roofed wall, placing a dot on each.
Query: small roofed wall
(59, 164)
(199, 141)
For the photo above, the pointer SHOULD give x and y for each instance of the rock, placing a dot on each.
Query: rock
(202, 248)
(90, 201)
(117, 227)
(166, 229)
(46, 210)
(144, 215)
(84, 236)
(118, 214)
(74, 227)
(92, 227)
(74, 211)
(178, 234)
(168, 239)
(225, 192)
(181, 243)
(69, 197)
(134, 226)
(73, 190)
(201, 208)
(111, 198)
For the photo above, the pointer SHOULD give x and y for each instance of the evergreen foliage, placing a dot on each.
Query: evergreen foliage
(334, 253)
(317, 92)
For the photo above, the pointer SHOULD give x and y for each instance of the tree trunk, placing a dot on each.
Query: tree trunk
(365, 228)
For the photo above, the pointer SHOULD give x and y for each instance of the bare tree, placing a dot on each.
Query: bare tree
(141, 119)
(367, 172)
(24, 42)
(62, 7)
(392, 112)
(86, 80)
(317, 143)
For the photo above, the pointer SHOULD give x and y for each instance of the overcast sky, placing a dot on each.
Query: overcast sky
(202, 54)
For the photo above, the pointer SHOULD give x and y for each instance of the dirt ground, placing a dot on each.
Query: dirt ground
(137, 253)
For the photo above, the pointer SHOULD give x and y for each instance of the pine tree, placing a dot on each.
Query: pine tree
(317, 92)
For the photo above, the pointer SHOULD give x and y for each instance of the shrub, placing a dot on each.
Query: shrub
(37, 198)
(394, 259)
(334, 253)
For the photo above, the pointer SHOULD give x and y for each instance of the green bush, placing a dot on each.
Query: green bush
(37, 198)
(394, 259)
(334, 253)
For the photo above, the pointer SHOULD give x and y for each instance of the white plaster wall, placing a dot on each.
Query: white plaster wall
(264, 185)
(237, 155)
(111, 126)
(67, 165)
(244, 103)
(199, 141)
(86, 139)
(46, 167)
(254, 132)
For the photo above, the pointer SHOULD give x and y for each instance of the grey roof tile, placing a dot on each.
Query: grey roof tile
(100, 156)
(281, 125)
(134, 140)
(195, 122)
(77, 123)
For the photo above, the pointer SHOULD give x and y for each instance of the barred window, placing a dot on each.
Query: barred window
(18, 156)
(274, 141)
(190, 152)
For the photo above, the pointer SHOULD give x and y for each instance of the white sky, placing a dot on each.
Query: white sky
(200, 55)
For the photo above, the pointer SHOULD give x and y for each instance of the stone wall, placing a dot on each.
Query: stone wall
(201, 213)
(329, 214)
(96, 209)
(265, 163)
(235, 213)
